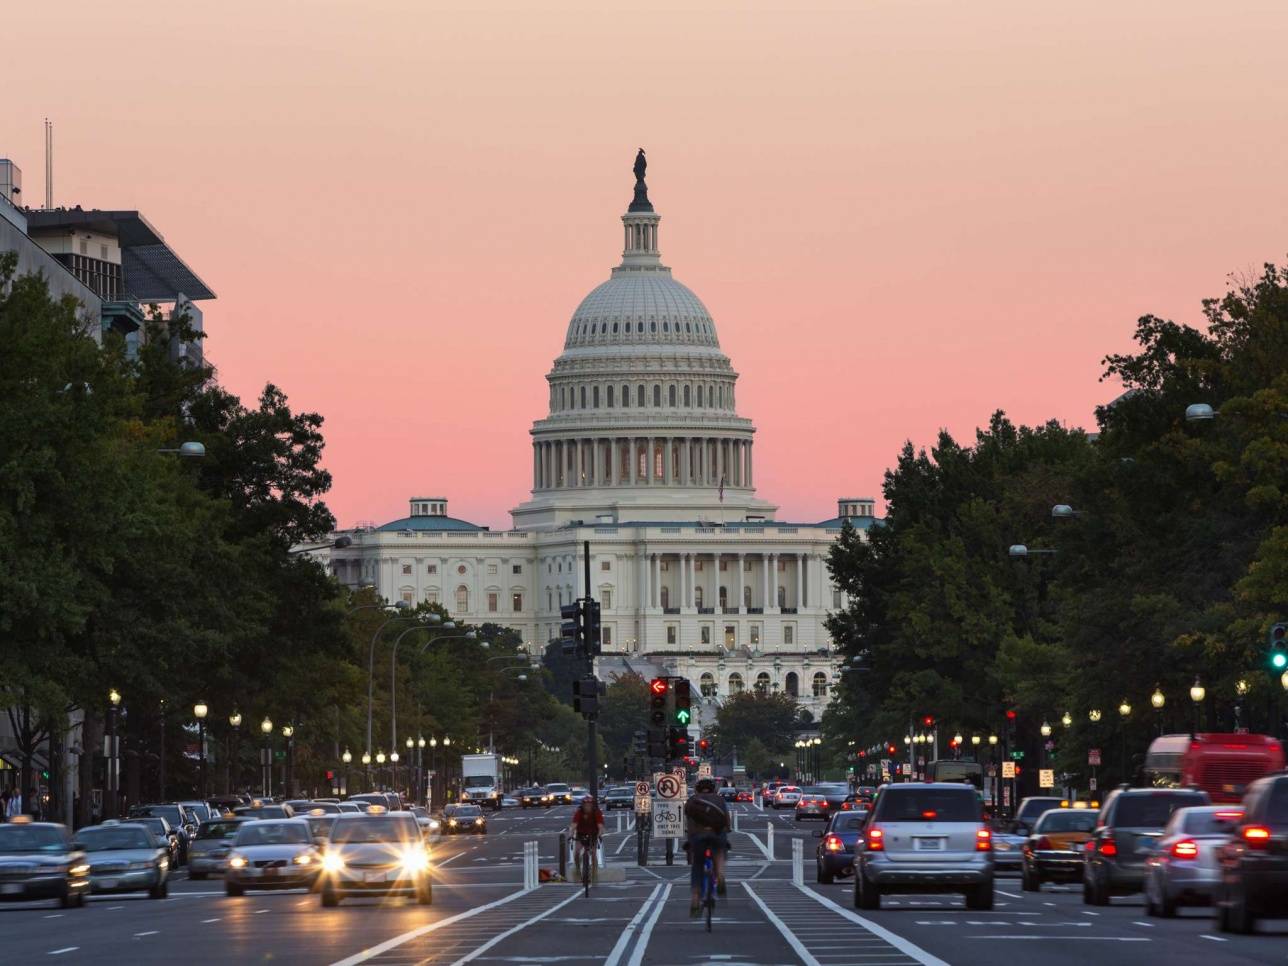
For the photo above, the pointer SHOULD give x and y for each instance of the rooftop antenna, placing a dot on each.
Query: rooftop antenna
(49, 164)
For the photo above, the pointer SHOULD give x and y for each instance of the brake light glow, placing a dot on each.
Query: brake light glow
(1185, 849)
(875, 840)
(833, 843)
(983, 840)
(929, 813)
(1230, 816)
(1044, 844)
(1256, 836)
(1108, 846)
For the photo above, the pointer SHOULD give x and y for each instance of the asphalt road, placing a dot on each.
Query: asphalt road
(480, 914)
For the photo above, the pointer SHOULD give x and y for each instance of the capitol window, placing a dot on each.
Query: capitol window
(595, 397)
(735, 683)
(700, 397)
(607, 598)
(789, 634)
(431, 596)
(639, 396)
(706, 634)
(516, 568)
(406, 569)
(762, 682)
(782, 597)
(820, 685)
(610, 397)
(605, 565)
(516, 601)
(491, 568)
(657, 396)
(583, 397)
(672, 633)
(461, 570)
(626, 397)
(836, 600)
(462, 599)
(492, 602)
(687, 396)
(755, 635)
(671, 395)
(746, 596)
(707, 685)
(606, 636)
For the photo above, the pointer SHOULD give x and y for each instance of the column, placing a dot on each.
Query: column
(646, 598)
(655, 595)
(631, 463)
(739, 451)
(667, 459)
(738, 586)
(750, 476)
(764, 575)
(800, 581)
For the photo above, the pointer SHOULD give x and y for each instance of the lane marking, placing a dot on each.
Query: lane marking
(54, 915)
(209, 920)
(150, 932)
(65, 949)
(1215, 939)
(1061, 939)
(260, 912)
(445, 861)
(1009, 895)
(641, 944)
(513, 929)
(781, 926)
(909, 949)
(619, 948)
(1088, 912)
(1147, 925)
(388, 944)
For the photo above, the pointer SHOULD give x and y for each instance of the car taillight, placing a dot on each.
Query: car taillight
(1256, 836)
(1185, 849)
(1108, 846)
(983, 840)
(1043, 844)
(875, 840)
(833, 843)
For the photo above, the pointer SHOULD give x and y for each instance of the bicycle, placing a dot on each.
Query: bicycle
(587, 844)
(708, 884)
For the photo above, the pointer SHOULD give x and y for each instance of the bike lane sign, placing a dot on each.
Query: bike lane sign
(668, 808)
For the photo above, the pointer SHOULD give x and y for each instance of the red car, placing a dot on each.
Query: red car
(744, 796)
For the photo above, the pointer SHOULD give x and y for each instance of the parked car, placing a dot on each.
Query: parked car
(925, 838)
(835, 853)
(208, 853)
(1184, 869)
(1130, 824)
(1053, 852)
(1254, 863)
(125, 857)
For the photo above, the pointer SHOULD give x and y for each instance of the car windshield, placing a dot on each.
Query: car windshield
(929, 805)
(158, 825)
(467, 811)
(272, 833)
(218, 830)
(1059, 820)
(320, 825)
(1217, 822)
(556, 788)
(1278, 811)
(108, 837)
(1034, 807)
(383, 829)
(848, 821)
(1153, 809)
(168, 812)
(200, 810)
(818, 790)
(15, 839)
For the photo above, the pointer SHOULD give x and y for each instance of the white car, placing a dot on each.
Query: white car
(787, 796)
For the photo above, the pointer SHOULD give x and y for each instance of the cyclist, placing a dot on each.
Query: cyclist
(587, 827)
(708, 821)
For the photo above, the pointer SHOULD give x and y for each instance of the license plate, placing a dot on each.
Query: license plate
(11, 889)
(271, 872)
(107, 883)
(375, 877)
(928, 844)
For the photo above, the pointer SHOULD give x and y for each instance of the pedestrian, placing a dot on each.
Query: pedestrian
(14, 807)
(4, 805)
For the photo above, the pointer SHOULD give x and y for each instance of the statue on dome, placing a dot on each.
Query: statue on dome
(641, 202)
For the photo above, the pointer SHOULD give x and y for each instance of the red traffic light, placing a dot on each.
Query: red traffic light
(928, 720)
(658, 686)
(1010, 715)
(890, 750)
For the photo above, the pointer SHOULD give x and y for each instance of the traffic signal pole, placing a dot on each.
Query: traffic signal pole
(592, 751)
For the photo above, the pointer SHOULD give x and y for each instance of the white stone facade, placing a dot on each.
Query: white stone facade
(644, 455)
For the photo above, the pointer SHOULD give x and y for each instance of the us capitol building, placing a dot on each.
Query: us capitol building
(644, 454)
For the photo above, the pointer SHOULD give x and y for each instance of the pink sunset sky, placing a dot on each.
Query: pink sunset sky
(902, 215)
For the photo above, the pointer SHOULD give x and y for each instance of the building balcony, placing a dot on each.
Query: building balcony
(787, 610)
(755, 610)
(706, 610)
(670, 610)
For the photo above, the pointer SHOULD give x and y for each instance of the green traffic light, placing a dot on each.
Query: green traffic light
(1279, 660)
(683, 716)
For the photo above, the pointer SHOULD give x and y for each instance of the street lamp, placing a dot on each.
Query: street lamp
(1158, 699)
(1066, 719)
(1094, 715)
(199, 711)
(1199, 412)
(347, 759)
(1045, 729)
(230, 748)
(393, 768)
(1197, 694)
(1124, 709)
(992, 739)
(113, 750)
(188, 450)
(288, 769)
(975, 740)
(266, 755)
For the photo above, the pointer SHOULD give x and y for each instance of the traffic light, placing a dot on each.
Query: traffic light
(677, 743)
(572, 630)
(1279, 646)
(657, 691)
(928, 721)
(591, 628)
(704, 746)
(639, 744)
(585, 695)
(891, 749)
(682, 703)
(330, 775)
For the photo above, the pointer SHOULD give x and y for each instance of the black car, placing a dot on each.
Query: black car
(835, 854)
(1130, 822)
(622, 797)
(1030, 810)
(1254, 864)
(183, 822)
(463, 820)
(533, 798)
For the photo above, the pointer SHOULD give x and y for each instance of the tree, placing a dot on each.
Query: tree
(623, 711)
(769, 719)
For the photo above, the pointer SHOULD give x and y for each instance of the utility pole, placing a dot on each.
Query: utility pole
(580, 639)
(592, 647)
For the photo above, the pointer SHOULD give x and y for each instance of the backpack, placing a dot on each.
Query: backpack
(704, 810)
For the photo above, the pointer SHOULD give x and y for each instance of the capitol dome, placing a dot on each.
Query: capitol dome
(642, 415)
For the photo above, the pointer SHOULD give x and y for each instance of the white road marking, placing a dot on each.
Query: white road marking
(65, 949)
(54, 915)
(1147, 925)
(444, 862)
(781, 926)
(911, 950)
(1088, 912)
(408, 936)
(150, 932)
(1009, 895)
(641, 945)
(1215, 939)
(1047, 939)
(513, 929)
(260, 912)
(209, 920)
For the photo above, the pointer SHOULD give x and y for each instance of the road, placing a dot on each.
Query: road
(480, 914)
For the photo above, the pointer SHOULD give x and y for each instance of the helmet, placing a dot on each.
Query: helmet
(706, 785)
(588, 800)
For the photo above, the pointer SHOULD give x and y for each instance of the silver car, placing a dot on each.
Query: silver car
(276, 853)
(1185, 867)
(125, 857)
(376, 854)
(924, 838)
(208, 854)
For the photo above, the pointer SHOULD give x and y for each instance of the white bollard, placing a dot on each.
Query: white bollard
(798, 862)
(529, 865)
(769, 839)
(619, 822)
(735, 821)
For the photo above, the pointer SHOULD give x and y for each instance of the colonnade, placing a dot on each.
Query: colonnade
(740, 595)
(642, 461)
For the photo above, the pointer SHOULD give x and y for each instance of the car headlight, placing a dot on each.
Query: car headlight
(434, 824)
(237, 862)
(81, 869)
(332, 862)
(478, 821)
(415, 861)
(451, 821)
(303, 859)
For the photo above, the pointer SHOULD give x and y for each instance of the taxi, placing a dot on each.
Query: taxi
(377, 853)
(1053, 851)
(38, 860)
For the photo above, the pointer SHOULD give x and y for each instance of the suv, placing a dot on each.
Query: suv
(378, 854)
(924, 838)
(1030, 810)
(560, 794)
(1129, 826)
(1254, 863)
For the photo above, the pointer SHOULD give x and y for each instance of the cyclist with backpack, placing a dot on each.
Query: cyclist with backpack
(708, 826)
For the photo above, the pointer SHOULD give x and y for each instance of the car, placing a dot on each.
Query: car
(1008, 850)
(744, 795)
(1053, 851)
(925, 838)
(182, 822)
(579, 792)
(163, 833)
(812, 803)
(125, 857)
(1254, 863)
(464, 820)
(353, 807)
(208, 853)
(1030, 810)
(835, 853)
(1184, 869)
(621, 797)
(275, 853)
(306, 806)
(201, 811)
(560, 794)
(429, 825)
(378, 853)
(262, 809)
(728, 793)
(865, 794)
(786, 797)
(532, 798)
(38, 860)
(1129, 825)
(386, 800)
(320, 823)
(508, 802)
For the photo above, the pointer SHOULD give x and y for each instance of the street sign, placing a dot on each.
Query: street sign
(1093, 756)
(643, 803)
(641, 788)
(680, 773)
(1046, 778)
(1008, 769)
(1093, 784)
(907, 768)
(669, 788)
(668, 819)
(704, 770)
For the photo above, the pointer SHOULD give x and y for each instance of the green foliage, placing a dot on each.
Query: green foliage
(768, 720)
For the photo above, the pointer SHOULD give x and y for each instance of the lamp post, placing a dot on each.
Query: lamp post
(112, 752)
(1241, 692)
(380, 764)
(399, 607)
(199, 711)
(420, 769)
(234, 725)
(266, 755)
(366, 763)
(288, 776)
(997, 773)
(433, 768)
(1197, 694)
(1066, 720)
(1156, 701)
(1124, 711)
(393, 768)
(346, 758)
(1045, 730)
(413, 775)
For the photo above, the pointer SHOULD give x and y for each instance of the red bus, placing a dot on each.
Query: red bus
(1223, 765)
